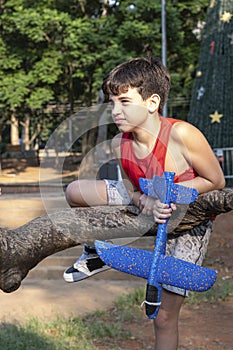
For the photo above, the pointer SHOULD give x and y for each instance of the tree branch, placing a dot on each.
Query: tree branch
(23, 248)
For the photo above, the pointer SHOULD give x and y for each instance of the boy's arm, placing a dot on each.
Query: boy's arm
(199, 155)
(188, 145)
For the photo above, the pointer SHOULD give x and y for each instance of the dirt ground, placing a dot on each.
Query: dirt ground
(206, 326)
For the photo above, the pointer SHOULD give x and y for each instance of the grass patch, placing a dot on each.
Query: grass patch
(39, 335)
(82, 333)
(75, 333)
(108, 324)
(105, 327)
(128, 307)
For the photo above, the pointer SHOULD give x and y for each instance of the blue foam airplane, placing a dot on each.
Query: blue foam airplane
(157, 267)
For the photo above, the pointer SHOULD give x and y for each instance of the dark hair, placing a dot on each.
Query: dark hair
(148, 75)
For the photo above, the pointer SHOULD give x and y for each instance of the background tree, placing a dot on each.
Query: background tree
(54, 54)
(211, 107)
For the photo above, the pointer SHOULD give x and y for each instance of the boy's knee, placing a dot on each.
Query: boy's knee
(68, 194)
(161, 321)
(165, 321)
(72, 193)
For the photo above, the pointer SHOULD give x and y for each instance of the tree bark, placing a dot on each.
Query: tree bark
(26, 132)
(23, 248)
(14, 130)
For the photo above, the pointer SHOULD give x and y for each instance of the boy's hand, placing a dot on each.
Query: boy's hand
(146, 204)
(162, 211)
(151, 206)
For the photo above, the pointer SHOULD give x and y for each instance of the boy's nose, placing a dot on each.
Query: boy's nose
(116, 109)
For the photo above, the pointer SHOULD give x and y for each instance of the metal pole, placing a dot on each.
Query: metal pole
(164, 35)
(164, 43)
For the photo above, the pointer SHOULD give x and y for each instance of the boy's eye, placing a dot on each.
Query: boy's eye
(125, 102)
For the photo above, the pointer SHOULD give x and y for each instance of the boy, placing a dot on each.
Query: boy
(147, 145)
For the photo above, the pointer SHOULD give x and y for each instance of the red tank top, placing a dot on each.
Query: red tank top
(154, 163)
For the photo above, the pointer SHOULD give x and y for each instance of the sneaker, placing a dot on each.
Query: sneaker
(86, 266)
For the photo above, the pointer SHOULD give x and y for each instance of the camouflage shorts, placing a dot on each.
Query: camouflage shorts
(117, 193)
(190, 245)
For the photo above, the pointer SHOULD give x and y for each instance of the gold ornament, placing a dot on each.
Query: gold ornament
(226, 17)
(198, 74)
(216, 117)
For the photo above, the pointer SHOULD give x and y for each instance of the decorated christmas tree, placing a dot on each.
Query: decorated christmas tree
(211, 108)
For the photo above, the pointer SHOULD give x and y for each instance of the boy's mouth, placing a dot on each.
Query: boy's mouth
(118, 121)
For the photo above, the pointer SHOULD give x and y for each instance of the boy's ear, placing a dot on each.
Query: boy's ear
(153, 103)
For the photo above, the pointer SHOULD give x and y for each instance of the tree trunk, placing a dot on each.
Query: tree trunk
(23, 248)
(25, 132)
(14, 130)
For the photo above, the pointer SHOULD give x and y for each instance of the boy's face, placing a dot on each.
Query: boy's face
(129, 110)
